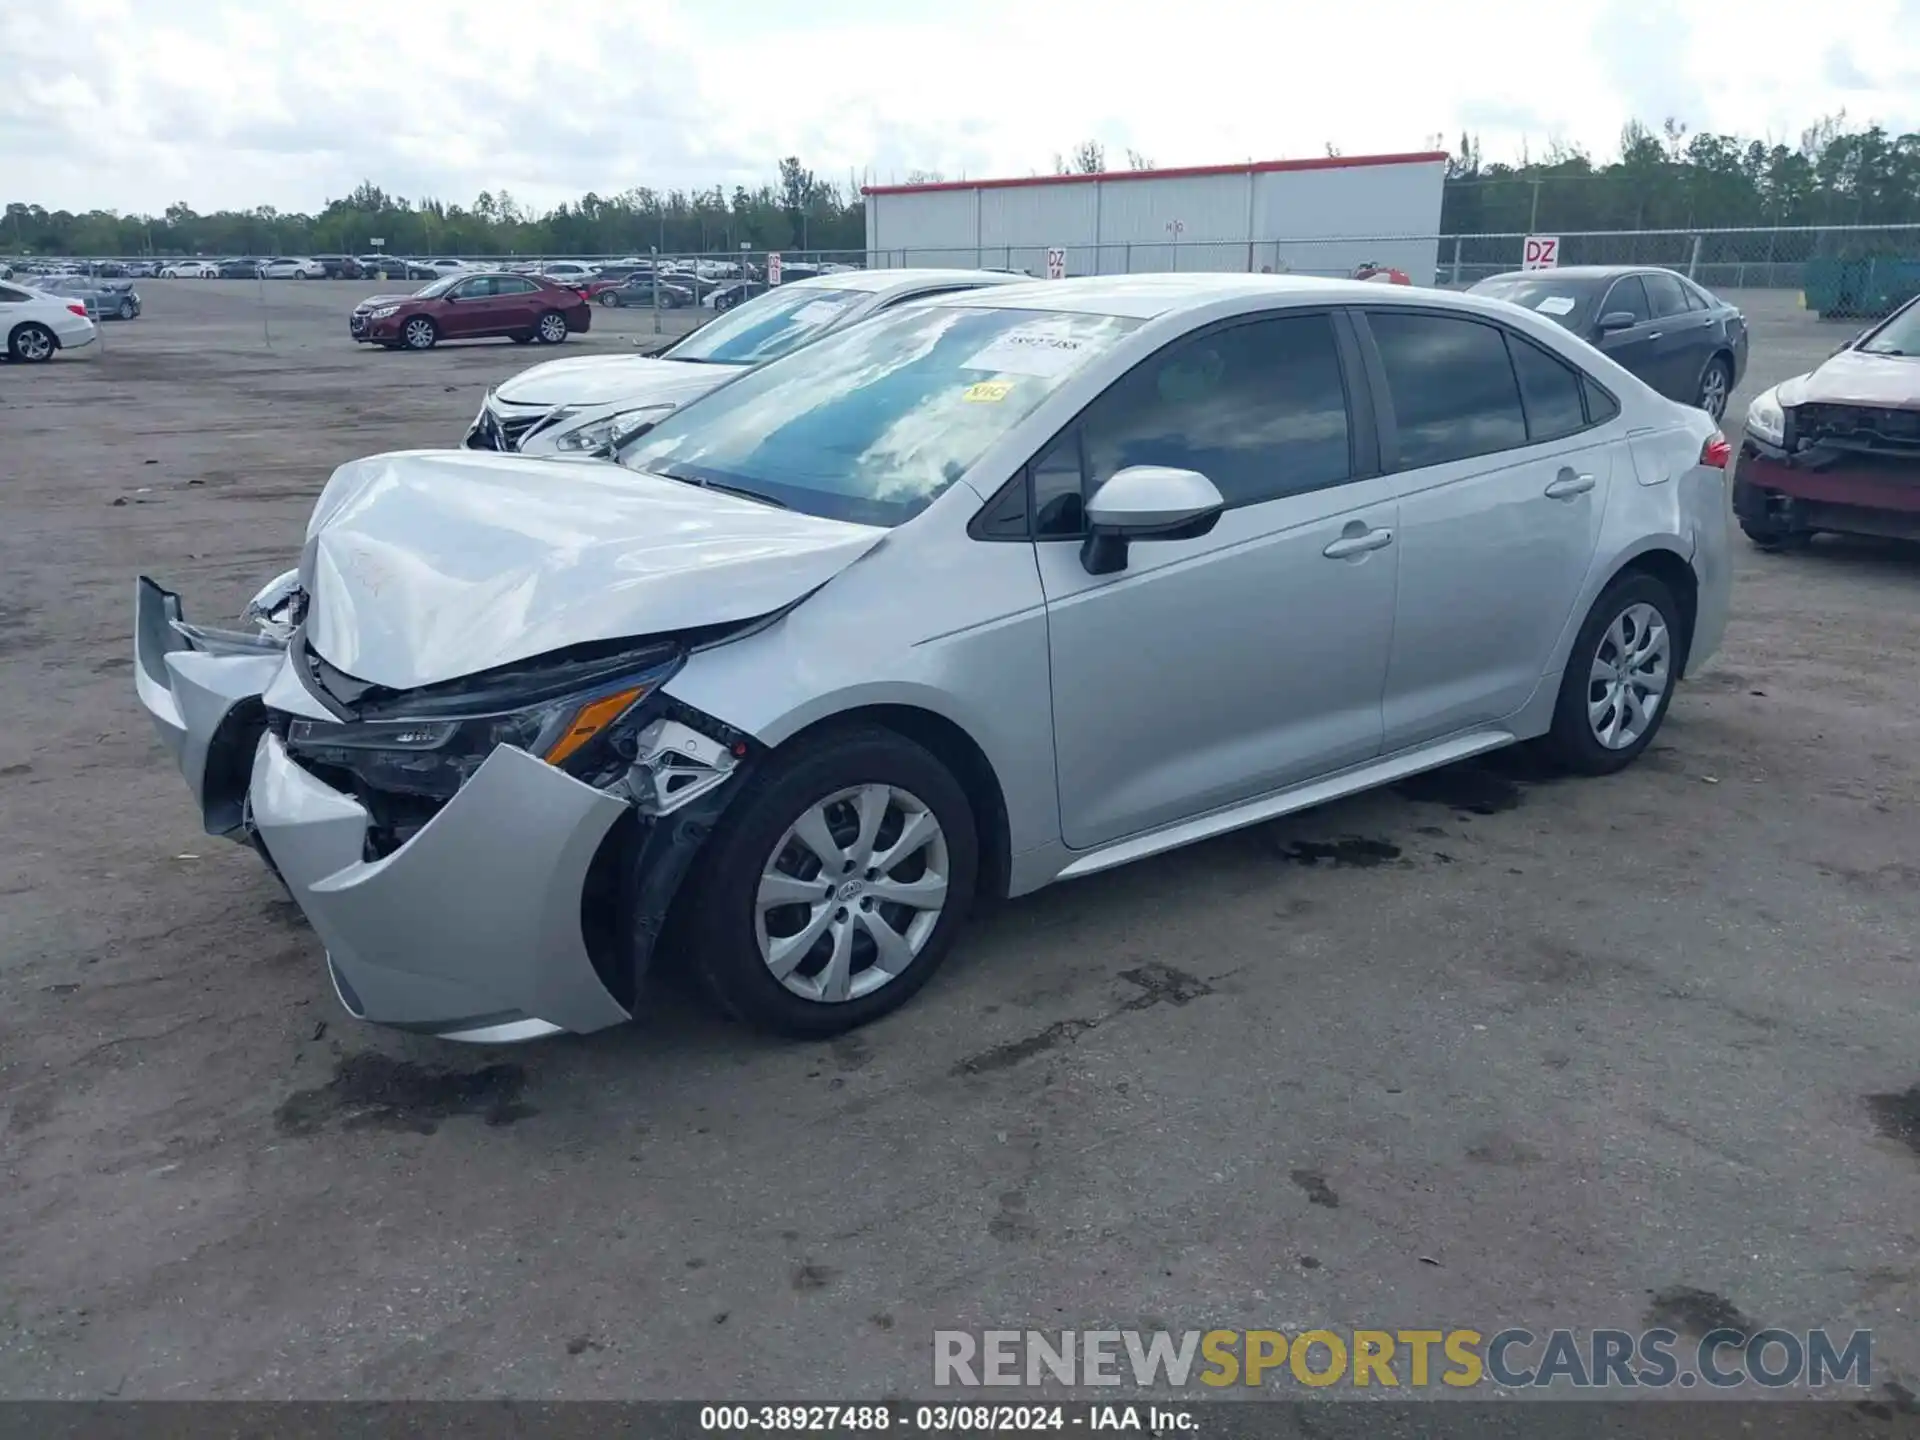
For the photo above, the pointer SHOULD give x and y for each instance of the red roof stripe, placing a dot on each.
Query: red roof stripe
(1191, 172)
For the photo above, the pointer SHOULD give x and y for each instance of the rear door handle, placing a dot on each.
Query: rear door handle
(1347, 546)
(1569, 483)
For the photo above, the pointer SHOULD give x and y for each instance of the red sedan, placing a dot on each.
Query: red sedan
(521, 308)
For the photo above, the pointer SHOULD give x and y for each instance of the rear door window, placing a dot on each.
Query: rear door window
(1665, 295)
(1630, 295)
(1453, 390)
(1550, 390)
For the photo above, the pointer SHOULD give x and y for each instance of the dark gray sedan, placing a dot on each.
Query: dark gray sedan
(105, 299)
(1684, 341)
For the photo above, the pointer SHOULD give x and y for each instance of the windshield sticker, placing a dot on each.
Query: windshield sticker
(1028, 352)
(818, 312)
(988, 392)
(1556, 305)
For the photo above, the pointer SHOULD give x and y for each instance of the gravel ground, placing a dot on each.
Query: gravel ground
(1490, 1050)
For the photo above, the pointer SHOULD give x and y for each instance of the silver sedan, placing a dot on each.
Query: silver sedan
(1002, 589)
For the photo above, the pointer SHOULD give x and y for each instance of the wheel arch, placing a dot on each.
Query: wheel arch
(952, 746)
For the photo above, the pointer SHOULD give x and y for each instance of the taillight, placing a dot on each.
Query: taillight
(78, 309)
(1716, 454)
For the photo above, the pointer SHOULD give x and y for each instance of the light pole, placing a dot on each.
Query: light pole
(1175, 229)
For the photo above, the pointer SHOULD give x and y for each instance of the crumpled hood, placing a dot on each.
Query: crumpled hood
(373, 300)
(1855, 378)
(426, 565)
(603, 379)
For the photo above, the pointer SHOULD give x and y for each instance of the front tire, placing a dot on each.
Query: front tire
(835, 884)
(1618, 684)
(126, 310)
(32, 343)
(420, 333)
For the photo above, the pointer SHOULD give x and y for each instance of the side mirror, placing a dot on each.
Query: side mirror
(1617, 320)
(1146, 502)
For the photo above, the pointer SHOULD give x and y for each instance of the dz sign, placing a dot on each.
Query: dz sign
(1540, 252)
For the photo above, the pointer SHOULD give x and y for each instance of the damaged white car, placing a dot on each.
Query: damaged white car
(1010, 587)
(592, 404)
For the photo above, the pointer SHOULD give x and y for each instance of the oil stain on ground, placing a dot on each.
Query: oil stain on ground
(1696, 1312)
(1476, 788)
(1897, 1116)
(371, 1091)
(1157, 984)
(1318, 1191)
(1352, 851)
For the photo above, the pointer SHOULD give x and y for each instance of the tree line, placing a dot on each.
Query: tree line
(1664, 179)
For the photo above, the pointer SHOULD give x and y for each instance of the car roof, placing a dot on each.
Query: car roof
(902, 278)
(1142, 297)
(1584, 272)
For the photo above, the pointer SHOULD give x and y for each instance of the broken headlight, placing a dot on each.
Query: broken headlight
(435, 741)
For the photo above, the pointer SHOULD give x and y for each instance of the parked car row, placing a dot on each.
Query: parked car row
(516, 717)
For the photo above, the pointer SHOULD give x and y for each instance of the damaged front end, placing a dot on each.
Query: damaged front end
(491, 858)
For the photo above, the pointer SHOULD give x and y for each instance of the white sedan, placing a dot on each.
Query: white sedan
(190, 270)
(36, 324)
(443, 267)
(288, 267)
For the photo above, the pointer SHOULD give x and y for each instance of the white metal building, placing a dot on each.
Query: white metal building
(1311, 217)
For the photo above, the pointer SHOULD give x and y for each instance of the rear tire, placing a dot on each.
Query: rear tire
(1716, 385)
(550, 328)
(884, 950)
(610, 299)
(32, 343)
(1620, 677)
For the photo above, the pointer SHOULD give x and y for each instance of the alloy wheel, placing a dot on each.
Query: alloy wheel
(420, 333)
(553, 329)
(1713, 391)
(852, 893)
(1628, 681)
(33, 344)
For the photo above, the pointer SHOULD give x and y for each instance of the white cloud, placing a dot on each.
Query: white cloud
(131, 104)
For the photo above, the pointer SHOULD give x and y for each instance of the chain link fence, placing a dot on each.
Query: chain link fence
(1840, 270)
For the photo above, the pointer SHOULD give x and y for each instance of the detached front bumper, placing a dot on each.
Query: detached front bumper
(476, 927)
(201, 689)
(471, 930)
(1827, 489)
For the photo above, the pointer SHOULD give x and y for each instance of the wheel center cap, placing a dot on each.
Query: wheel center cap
(851, 889)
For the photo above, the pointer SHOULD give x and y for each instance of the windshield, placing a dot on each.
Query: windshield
(873, 422)
(766, 327)
(438, 287)
(1900, 335)
(1560, 300)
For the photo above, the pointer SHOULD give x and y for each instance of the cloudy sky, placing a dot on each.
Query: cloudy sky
(133, 104)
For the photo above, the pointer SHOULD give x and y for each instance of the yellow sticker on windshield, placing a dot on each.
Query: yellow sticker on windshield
(988, 392)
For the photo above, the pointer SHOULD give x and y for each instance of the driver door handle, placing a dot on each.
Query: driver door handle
(1568, 484)
(1347, 546)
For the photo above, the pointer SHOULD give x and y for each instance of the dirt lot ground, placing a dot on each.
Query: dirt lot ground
(1490, 1050)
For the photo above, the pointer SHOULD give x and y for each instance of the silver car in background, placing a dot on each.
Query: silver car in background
(590, 404)
(1006, 588)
